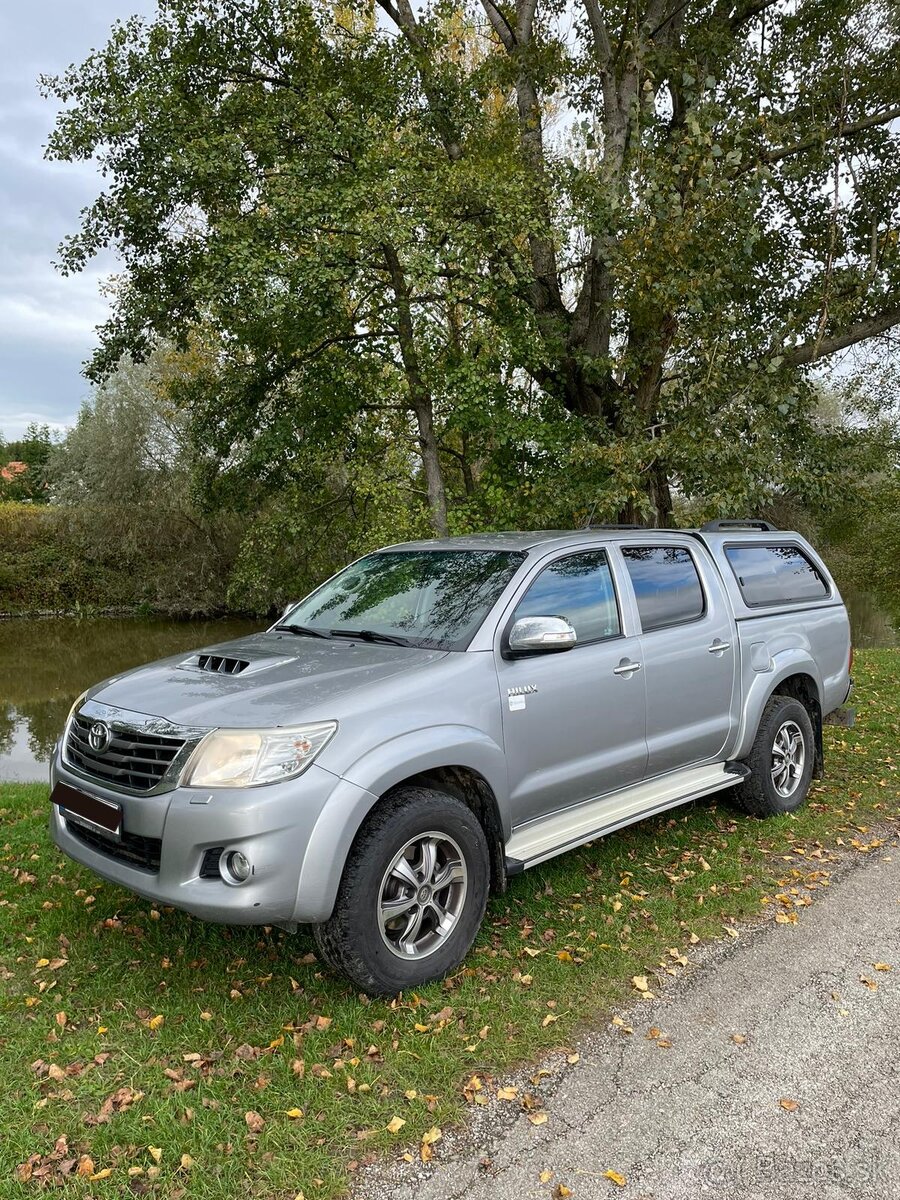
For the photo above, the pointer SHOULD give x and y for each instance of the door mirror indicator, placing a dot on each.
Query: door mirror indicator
(535, 635)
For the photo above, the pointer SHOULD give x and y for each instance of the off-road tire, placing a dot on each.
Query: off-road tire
(351, 941)
(757, 795)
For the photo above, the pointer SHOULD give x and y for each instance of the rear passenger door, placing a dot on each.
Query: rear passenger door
(688, 652)
(573, 722)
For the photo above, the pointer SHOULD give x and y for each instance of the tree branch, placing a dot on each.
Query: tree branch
(838, 130)
(860, 331)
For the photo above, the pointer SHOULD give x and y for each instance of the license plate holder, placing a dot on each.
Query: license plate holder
(102, 815)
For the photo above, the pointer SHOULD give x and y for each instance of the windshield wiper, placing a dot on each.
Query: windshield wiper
(303, 630)
(371, 635)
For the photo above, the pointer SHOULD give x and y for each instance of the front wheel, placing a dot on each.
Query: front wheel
(412, 895)
(781, 761)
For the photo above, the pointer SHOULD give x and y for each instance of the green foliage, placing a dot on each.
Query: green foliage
(23, 465)
(603, 251)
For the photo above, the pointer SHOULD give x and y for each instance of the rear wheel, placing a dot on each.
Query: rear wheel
(412, 895)
(781, 761)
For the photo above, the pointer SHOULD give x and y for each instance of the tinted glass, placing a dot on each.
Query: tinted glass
(432, 598)
(666, 585)
(580, 590)
(775, 574)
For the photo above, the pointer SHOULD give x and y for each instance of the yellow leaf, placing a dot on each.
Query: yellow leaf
(98, 1175)
(102, 1029)
(61, 1019)
(206, 1016)
(156, 1022)
(564, 956)
(85, 1165)
(43, 962)
(432, 1135)
(615, 1177)
(560, 1192)
(294, 1113)
(155, 1153)
(545, 1176)
(572, 1059)
(395, 1124)
(133, 1172)
(789, 1105)
(419, 1028)
(882, 966)
(276, 1042)
(739, 1038)
(507, 1093)
(653, 1032)
(548, 1020)
(640, 982)
(186, 1162)
(412, 1093)
(538, 1118)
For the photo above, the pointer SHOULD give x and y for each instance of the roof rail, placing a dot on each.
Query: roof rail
(613, 525)
(718, 526)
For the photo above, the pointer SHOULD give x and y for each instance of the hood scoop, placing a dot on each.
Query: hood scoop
(220, 664)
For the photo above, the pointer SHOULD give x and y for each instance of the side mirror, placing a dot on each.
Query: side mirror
(531, 635)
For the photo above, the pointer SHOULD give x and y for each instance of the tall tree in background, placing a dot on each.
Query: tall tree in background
(594, 244)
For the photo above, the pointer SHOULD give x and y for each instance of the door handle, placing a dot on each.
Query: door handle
(626, 668)
(719, 647)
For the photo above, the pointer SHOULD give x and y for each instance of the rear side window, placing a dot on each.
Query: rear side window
(580, 590)
(666, 585)
(775, 574)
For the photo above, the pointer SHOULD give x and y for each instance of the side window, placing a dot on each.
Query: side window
(775, 574)
(666, 585)
(580, 589)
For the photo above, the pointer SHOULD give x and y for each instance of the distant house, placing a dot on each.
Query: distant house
(12, 470)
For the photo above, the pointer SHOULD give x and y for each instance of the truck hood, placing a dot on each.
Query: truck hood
(285, 679)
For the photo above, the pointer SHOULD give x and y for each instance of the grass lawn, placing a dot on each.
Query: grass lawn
(145, 1053)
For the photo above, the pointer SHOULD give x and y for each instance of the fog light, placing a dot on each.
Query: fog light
(235, 867)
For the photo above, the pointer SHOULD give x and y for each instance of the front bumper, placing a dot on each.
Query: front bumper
(279, 827)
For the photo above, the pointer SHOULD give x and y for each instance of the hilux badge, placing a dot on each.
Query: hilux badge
(516, 695)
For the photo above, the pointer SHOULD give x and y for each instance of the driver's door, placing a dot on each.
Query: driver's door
(573, 720)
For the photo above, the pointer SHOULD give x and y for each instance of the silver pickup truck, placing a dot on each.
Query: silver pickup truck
(441, 715)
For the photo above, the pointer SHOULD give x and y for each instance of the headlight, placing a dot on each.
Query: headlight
(250, 757)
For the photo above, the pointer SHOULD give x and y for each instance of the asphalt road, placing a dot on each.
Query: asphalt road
(703, 1118)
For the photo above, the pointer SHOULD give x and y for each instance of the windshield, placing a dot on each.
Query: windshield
(432, 598)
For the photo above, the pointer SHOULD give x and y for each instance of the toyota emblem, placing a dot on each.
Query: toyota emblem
(99, 737)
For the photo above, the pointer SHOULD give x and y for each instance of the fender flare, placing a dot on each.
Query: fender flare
(362, 785)
(783, 664)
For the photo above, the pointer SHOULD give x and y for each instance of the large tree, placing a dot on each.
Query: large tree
(596, 246)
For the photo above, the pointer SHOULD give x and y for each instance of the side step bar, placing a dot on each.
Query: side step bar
(548, 836)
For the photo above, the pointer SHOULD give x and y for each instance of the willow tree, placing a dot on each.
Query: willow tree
(617, 236)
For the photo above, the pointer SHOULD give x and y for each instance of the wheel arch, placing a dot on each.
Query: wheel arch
(461, 761)
(792, 673)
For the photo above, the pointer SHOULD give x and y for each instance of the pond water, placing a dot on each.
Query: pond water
(46, 663)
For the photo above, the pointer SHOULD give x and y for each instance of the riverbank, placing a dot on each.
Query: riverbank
(227, 1061)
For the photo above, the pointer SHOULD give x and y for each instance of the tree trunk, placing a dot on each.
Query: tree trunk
(420, 400)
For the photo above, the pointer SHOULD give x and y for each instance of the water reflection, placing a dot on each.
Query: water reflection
(45, 664)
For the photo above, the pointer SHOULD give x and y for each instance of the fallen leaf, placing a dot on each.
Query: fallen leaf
(255, 1123)
(507, 1093)
(538, 1118)
(545, 1176)
(561, 1191)
(615, 1177)
(879, 966)
(395, 1124)
(155, 1153)
(869, 983)
(548, 1020)
(186, 1162)
(572, 1059)
(98, 1175)
(640, 982)
(156, 1022)
(789, 1105)
(294, 1113)
(85, 1165)
(739, 1038)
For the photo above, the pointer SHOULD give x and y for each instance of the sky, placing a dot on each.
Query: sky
(47, 321)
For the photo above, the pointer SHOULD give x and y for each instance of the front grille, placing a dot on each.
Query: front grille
(221, 666)
(133, 760)
(136, 851)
